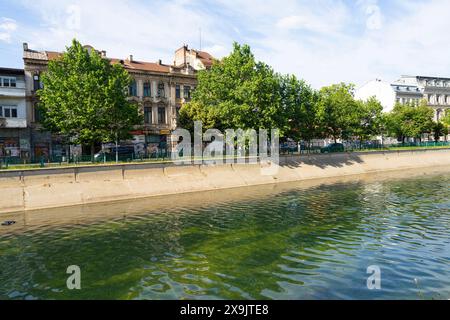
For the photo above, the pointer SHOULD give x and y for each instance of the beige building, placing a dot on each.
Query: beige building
(159, 89)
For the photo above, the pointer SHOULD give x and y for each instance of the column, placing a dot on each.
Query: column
(154, 114)
(140, 88)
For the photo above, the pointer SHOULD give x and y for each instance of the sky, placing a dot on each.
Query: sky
(321, 41)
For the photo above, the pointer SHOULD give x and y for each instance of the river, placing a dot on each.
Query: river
(285, 242)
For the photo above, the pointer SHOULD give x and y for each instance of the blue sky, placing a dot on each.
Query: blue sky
(322, 41)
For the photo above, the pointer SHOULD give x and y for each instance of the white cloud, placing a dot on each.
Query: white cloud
(7, 27)
(324, 41)
(148, 31)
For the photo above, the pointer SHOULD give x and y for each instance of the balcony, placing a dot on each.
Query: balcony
(16, 92)
(13, 123)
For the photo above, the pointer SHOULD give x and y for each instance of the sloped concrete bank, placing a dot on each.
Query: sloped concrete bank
(40, 189)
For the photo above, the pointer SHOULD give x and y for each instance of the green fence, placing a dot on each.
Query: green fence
(164, 154)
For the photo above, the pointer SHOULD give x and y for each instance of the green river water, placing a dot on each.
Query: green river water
(291, 242)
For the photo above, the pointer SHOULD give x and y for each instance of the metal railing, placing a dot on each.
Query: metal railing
(165, 154)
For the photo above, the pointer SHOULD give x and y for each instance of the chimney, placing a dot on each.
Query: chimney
(130, 58)
(25, 46)
(160, 62)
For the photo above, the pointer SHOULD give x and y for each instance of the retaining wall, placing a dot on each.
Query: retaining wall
(39, 189)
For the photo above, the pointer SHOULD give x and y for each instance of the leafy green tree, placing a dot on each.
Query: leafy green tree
(337, 111)
(84, 98)
(439, 129)
(410, 121)
(446, 121)
(300, 105)
(369, 119)
(237, 92)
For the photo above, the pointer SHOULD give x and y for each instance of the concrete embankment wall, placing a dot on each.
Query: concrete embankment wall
(38, 189)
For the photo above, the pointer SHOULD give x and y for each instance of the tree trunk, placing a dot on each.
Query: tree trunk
(92, 151)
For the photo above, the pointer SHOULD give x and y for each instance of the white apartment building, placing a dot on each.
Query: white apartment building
(14, 132)
(409, 89)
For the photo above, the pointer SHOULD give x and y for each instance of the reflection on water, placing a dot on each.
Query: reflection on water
(289, 243)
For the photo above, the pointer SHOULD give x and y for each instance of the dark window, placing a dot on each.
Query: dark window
(14, 113)
(13, 82)
(6, 82)
(7, 113)
(1, 111)
(187, 92)
(177, 92)
(147, 89)
(147, 115)
(162, 115)
(36, 82)
(133, 89)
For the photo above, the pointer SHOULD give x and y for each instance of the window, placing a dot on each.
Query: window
(161, 92)
(8, 111)
(162, 115)
(133, 89)
(147, 115)
(8, 82)
(178, 92)
(147, 89)
(187, 92)
(36, 82)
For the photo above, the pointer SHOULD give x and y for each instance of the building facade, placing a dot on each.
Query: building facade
(158, 89)
(14, 130)
(410, 89)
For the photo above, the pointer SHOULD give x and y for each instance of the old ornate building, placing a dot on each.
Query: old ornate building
(159, 89)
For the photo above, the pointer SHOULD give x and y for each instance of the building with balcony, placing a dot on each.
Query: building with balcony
(410, 89)
(14, 131)
(158, 89)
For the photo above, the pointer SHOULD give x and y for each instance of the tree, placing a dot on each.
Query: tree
(439, 129)
(369, 119)
(237, 92)
(337, 111)
(300, 105)
(410, 121)
(446, 122)
(84, 98)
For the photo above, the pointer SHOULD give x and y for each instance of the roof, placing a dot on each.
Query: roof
(205, 58)
(130, 65)
(141, 65)
(11, 71)
(52, 55)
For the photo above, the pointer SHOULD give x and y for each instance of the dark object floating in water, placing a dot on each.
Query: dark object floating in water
(8, 223)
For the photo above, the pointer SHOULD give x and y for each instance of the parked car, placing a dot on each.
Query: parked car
(124, 152)
(288, 147)
(334, 147)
